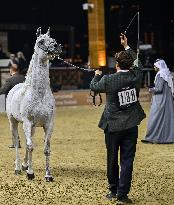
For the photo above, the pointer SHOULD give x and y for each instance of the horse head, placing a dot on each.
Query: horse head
(47, 44)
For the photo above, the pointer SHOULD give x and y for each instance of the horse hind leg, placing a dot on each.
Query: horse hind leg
(48, 131)
(15, 139)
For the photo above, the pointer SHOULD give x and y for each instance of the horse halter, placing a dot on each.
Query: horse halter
(53, 53)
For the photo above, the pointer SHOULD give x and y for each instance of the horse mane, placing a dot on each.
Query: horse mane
(29, 72)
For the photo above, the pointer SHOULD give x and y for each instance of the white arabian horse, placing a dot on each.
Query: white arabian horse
(32, 103)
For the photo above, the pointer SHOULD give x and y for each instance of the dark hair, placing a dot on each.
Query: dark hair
(124, 60)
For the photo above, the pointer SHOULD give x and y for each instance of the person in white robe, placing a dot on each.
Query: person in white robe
(160, 128)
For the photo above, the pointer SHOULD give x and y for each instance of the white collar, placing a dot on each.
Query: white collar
(122, 71)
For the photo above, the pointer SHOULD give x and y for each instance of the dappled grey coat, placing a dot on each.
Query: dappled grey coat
(115, 118)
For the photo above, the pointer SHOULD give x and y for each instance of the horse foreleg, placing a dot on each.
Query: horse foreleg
(25, 163)
(27, 126)
(30, 172)
(15, 139)
(48, 131)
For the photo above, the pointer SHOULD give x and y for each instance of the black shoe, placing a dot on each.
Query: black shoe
(123, 200)
(146, 142)
(11, 146)
(111, 195)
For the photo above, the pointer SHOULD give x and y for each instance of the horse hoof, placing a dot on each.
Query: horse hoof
(24, 168)
(17, 172)
(49, 179)
(30, 176)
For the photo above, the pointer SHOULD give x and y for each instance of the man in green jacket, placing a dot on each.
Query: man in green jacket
(120, 119)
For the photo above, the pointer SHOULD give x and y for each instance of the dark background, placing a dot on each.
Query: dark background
(156, 23)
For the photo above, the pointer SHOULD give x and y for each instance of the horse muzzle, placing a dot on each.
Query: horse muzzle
(55, 51)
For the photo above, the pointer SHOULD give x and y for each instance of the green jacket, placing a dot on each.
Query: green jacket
(116, 116)
(11, 82)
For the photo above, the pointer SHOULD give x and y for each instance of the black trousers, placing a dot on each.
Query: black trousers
(126, 140)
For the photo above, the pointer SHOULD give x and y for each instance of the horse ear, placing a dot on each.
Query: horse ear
(48, 32)
(38, 33)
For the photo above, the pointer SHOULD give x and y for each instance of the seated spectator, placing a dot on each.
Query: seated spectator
(13, 80)
(13, 59)
(23, 65)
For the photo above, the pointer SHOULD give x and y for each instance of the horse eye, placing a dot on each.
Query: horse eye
(41, 41)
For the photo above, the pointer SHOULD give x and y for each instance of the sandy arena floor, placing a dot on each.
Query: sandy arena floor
(78, 161)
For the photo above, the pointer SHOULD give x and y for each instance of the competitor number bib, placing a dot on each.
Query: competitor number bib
(127, 97)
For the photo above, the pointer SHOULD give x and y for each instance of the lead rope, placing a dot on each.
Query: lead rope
(89, 70)
(94, 97)
(76, 67)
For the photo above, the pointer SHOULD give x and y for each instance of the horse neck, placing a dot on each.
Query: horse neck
(38, 75)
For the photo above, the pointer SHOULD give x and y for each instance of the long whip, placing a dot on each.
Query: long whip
(138, 28)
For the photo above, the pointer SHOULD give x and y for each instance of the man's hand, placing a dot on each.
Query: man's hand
(98, 72)
(151, 90)
(123, 39)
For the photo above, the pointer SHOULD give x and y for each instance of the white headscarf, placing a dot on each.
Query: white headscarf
(164, 73)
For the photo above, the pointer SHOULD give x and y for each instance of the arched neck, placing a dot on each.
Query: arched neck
(38, 75)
